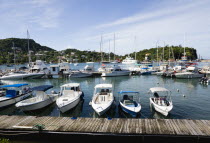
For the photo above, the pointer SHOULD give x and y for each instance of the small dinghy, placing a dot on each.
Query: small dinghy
(41, 99)
(129, 102)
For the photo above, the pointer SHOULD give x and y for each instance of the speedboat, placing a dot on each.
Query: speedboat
(205, 70)
(161, 100)
(129, 102)
(41, 99)
(102, 98)
(87, 72)
(115, 71)
(70, 95)
(15, 75)
(14, 95)
(190, 72)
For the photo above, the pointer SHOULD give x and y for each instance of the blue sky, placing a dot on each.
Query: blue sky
(62, 24)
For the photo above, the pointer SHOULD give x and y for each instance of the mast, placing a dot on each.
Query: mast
(184, 44)
(109, 50)
(135, 46)
(101, 44)
(29, 53)
(157, 51)
(114, 46)
(13, 47)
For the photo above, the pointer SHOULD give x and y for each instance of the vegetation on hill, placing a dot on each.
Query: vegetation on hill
(7, 52)
(166, 53)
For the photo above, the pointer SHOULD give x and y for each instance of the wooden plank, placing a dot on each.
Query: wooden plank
(115, 125)
(206, 125)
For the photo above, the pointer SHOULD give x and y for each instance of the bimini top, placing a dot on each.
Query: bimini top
(71, 85)
(14, 85)
(158, 89)
(42, 87)
(121, 92)
(103, 86)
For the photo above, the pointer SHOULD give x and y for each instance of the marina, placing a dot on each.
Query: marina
(188, 95)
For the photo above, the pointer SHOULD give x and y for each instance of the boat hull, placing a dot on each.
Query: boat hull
(115, 73)
(80, 75)
(131, 110)
(66, 107)
(101, 109)
(10, 101)
(37, 105)
(161, 109)
(188, 76)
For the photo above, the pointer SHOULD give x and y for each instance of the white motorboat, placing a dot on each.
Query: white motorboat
(70, 96)
(21, 75)
(87, 72)
(205, 70)
(188, 73)
(14, 76)
(115, 71)
(41, 99)
(13, 95)
(129, 102)
(129, 60)
(161, 100)
(102, 98)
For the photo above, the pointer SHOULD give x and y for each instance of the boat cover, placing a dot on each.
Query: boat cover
(42, 87)
(14, 85)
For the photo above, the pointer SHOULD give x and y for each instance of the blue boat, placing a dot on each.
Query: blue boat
(129, 102)
(14, 93)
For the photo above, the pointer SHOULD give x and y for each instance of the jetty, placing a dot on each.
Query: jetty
(104, 129)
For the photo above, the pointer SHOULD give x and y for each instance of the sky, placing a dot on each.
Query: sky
(136, 24)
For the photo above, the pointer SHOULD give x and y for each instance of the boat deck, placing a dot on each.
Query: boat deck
(105, 126)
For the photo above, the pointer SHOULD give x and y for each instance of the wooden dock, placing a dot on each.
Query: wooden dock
(138, 130)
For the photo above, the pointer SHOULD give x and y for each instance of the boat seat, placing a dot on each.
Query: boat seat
(103, 98)
(40, 94)
(128, 102)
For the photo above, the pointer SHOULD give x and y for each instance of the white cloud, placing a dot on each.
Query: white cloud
(166, 25)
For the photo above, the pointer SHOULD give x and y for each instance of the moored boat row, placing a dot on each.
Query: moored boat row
(71, 93)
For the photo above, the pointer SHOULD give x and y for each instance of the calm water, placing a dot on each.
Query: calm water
(195, 104)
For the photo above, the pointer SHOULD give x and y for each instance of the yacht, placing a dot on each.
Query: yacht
(190, 72)
(38, 66)
(87, 72)
(115, 70)
(15, 75)
(102, 98)
(129, 60)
